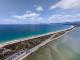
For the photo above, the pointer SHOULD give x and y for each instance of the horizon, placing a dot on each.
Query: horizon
(39, 12)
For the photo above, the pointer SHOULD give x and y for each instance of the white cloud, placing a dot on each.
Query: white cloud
(52, 19)
(67, 4)
(39, 8)
(29, 18)
(27, 15)
(37, 20)
(64, 18)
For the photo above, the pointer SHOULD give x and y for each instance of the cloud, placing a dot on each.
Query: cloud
(66, 4)
(64, 18)
(39, 8)
(29, 18)
(35, 18)
(27, 15)
(24, 21)
(55, 18)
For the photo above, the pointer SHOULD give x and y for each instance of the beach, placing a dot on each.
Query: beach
(39, 30)
(36, 36)
(20, 32)
(48, 38)
(66, 47)
(44, 43)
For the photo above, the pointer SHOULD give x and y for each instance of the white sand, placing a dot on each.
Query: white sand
(36, 36)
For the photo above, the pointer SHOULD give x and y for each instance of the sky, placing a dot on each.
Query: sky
(39, 11)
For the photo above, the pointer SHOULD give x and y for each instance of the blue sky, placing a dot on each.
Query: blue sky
(39, 11)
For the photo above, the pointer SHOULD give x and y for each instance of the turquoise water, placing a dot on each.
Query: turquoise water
(64, 48)
(11, 32)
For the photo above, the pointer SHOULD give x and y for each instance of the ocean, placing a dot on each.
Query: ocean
(16, 31)
(66, 47)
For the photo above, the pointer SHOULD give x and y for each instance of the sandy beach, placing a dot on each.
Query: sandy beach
(43, 43)
(36, 36)
(48, 38)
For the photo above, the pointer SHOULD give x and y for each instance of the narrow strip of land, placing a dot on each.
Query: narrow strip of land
(23, 48)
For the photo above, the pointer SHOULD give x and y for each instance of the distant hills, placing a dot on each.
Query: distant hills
(73, 23)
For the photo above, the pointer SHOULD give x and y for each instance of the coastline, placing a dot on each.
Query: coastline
(18, 51)
(43, 43)
(32, 37)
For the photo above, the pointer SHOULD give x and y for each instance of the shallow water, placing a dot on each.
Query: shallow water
(64, 48)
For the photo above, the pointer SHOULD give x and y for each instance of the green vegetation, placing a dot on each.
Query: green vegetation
(27, 44)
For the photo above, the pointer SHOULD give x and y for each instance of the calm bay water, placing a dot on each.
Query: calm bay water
(64, 48)
(11, 32)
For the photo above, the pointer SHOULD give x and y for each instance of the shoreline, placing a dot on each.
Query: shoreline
(32, 37)
(43, 43)
(26, 50)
